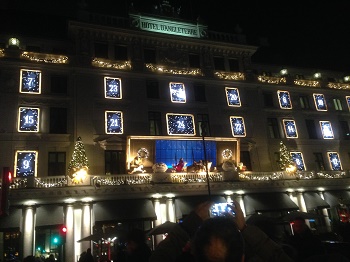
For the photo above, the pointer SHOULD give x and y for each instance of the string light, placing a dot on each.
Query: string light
(174, 71)
(230, 76)
(99, 62)
(46, 58)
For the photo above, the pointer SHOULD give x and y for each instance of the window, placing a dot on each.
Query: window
(203, 124)
(113, 88)
(272, 125)
(233, 64)
(28, 119)
(120, 52)
(337, 104)
(320, 102)
(30, 81)
(219, 63)
(149, 55)
(115, 162)
(58, 120)
(304, 102)
(57, 164)
(326, 128)
(290, 128)
(59, 84)
(348, 101)
(268, 99)
(152, 89)
(311, 128)
(177, 92)
(155, 123)
(277, 157)
(284, 99)
(237, 126)
(199, 93)
(298, 160)
(180, 124)
(245, 159)
(26, 163)
(232, 96)
(101, 50)
(194, 60)
(344, 130)
(319, 161)
(334, 161)
(114, 122)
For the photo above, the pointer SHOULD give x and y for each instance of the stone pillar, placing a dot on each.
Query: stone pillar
(86, 225)
(158, 211)
(70, 240)
(325, 213)
(239, 199)
(170, 209)
(302, 205)
(28, 230)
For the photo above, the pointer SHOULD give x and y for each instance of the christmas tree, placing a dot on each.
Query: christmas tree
(79, 160)
(286, 159)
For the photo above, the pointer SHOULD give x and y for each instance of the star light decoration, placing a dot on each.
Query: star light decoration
(78, 166)
(286, 161)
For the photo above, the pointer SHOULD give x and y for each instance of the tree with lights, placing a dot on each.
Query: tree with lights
(79, 164)
(286, 160)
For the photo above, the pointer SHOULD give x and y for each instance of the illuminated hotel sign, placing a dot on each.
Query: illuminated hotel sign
(168, 27)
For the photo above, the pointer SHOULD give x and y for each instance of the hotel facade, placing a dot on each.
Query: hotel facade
(123, 99)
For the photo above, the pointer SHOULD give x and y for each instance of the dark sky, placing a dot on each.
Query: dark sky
(299, 33)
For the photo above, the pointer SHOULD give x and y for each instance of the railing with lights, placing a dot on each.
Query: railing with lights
(309, 83)
(174, 71)
(105, 63)
(46, 58)
(176, 178)
(230, 75)
(272, 79)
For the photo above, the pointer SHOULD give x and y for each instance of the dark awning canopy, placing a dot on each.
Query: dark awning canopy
(265, 202)
(54, 212)
(13, 220)
(335, 198)
(314, 201)
(113, 210)
(184, 205)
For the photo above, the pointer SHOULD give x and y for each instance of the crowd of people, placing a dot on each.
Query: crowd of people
(227, 238)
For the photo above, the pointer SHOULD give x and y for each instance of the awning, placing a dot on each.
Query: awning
(335, 198)
(54, 212)
(314, 201)
(184, 205)
(268, 202)
(113, 210)
(13, 220)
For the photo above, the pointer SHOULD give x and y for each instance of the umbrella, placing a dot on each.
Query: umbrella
(164, 228)
(97, 236)
(293, 215)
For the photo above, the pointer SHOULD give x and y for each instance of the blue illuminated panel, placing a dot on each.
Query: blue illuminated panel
(298, 160)
(237, 126)
(320, 102)
(232, 96)
(30, 81)
(177, 92)
(113, 88)
(28, 119)
(326, 128)
(180, 124)
(284, 99)
(26, 163)
(114, 122)
(290, 128)
(334, 161)
(348, 101)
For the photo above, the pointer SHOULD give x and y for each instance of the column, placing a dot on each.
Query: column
(158, 211)
(28, 230)
(70, 241)
(86, 225)
(239, 199)
(170, 209)
(302, 205)
(325, 213)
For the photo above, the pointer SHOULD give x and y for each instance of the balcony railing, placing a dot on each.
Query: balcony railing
(172, 178)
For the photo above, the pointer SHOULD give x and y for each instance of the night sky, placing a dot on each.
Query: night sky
(296, 33)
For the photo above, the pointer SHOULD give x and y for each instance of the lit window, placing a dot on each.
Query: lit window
(334, 161)
(320, 102)
(237, 126)
(26, 163)
(113, 88)
(30, 81)
(28, 119)
(284, 99)
(290, 128)
(114, 122)
(177, 92)
(232, 96)
(348, 101)
(326, 129)
(298, 160)
(180, 124)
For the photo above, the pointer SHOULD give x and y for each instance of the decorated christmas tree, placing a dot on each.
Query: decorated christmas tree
(79, 160)
(286, 160)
